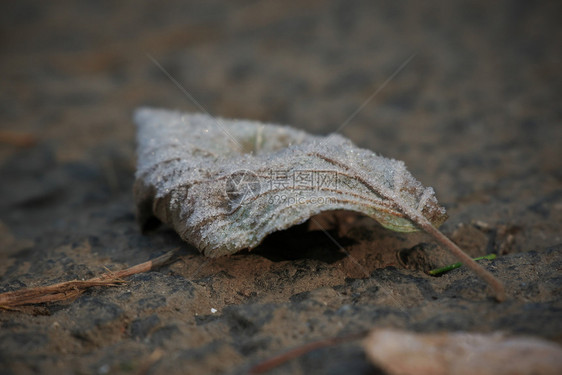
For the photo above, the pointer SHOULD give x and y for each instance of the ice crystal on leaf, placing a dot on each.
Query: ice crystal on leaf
(224, 185)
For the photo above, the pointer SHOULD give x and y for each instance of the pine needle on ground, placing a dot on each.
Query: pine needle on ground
(71, 289)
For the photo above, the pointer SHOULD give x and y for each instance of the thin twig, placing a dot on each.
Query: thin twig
(278, 360)
(72, 289)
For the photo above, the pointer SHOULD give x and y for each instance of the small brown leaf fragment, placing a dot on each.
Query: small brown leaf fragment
(17, 139)
(407, 353)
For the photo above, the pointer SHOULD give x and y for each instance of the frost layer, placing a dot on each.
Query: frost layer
(224, 185)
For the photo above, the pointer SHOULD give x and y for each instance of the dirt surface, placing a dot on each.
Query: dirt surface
(475, 114)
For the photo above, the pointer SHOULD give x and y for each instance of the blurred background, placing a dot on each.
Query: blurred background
(73, 71)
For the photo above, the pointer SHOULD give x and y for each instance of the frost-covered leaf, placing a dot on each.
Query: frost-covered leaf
(224, 185)
(223, 199)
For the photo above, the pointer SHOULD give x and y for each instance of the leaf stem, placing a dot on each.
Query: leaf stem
(496, 285)
(416, 216)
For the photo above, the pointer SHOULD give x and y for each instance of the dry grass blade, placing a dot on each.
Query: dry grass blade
(71, 289)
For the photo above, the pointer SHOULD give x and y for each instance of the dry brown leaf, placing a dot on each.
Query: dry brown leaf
(408, 353)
